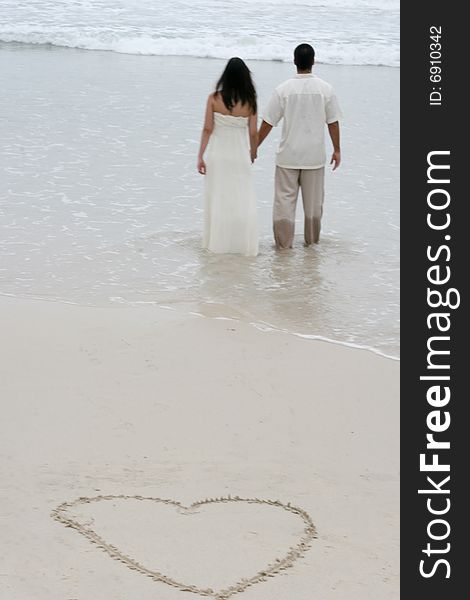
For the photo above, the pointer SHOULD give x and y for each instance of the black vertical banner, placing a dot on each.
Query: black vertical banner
(435, 263)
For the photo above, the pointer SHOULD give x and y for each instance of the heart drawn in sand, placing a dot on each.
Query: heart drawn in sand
(63, 514)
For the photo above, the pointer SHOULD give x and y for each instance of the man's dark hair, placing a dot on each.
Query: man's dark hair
(304, 57)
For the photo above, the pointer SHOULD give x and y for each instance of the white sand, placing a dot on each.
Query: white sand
(146, 401)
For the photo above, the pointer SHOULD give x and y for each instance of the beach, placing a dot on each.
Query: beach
(150, 402)
(102, 203)
(178, 424)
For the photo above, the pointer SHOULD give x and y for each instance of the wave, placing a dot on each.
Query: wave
(210, 46)
(363, 32)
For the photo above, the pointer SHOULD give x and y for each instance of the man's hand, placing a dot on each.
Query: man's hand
(335, 159)
(333, 129)
(263, 132)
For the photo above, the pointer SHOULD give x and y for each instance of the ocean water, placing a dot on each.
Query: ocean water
(101, 204)
(355, 32)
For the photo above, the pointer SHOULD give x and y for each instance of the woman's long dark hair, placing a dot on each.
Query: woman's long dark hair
(235, 85)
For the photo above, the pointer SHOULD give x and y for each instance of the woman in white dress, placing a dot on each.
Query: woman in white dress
(230, 137)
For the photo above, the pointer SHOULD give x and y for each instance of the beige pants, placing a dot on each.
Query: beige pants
(286, 191)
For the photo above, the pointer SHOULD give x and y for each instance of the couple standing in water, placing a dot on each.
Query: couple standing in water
(231, 138)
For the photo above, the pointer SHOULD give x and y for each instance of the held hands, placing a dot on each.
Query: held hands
(201, 166)
(335, 159)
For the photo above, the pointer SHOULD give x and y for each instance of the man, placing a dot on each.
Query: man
(306, 103)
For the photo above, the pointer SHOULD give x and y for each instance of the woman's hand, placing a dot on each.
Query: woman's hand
(201, 166)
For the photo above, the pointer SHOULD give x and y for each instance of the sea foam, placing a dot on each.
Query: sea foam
(365, 32)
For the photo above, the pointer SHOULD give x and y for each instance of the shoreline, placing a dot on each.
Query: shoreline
(260, 326)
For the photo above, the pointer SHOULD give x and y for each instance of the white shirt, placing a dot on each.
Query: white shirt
(306, 102)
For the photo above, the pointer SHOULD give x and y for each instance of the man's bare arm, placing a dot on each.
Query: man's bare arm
(263, 132)
(253, 124)
(333, 129)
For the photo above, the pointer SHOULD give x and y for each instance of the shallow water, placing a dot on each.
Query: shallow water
(100, 201)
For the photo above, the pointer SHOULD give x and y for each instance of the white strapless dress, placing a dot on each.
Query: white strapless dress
(230, 221)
